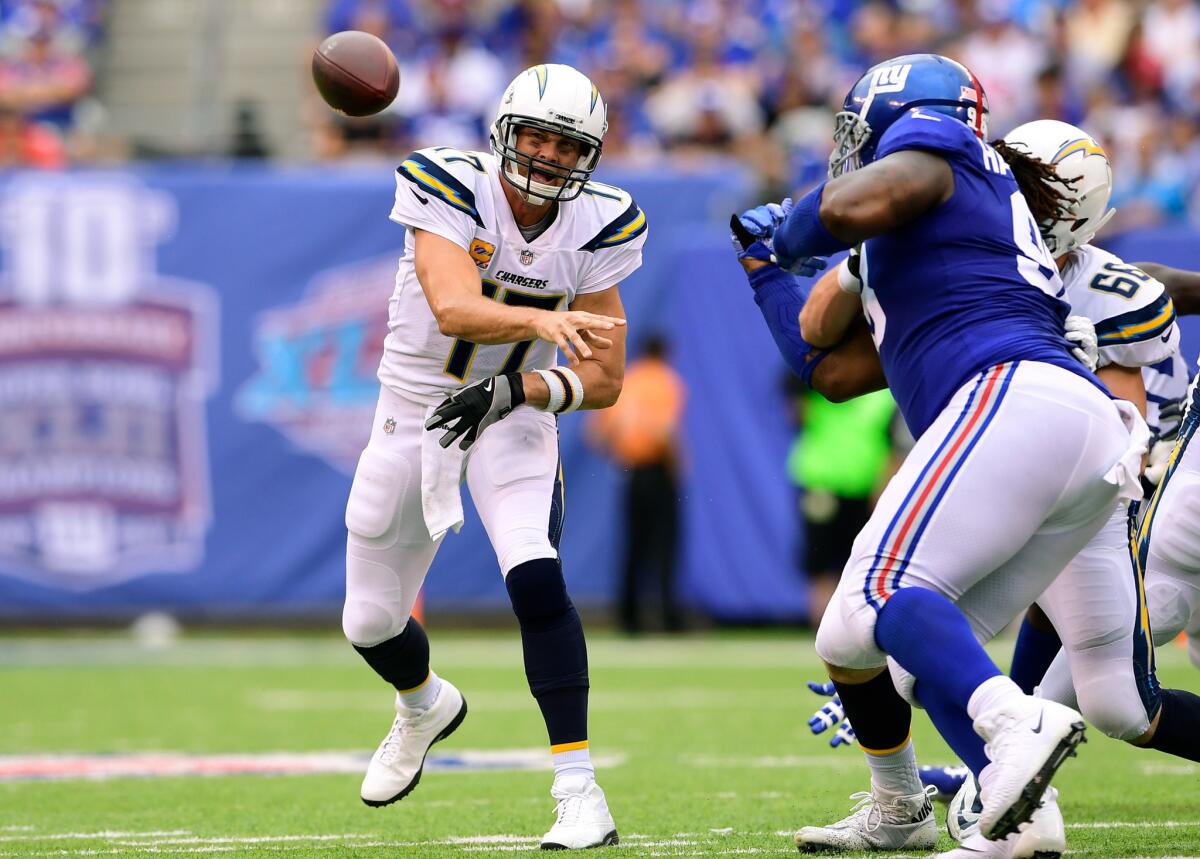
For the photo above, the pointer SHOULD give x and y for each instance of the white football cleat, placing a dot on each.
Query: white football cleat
(1027, 741)
(1045, 837)
(395, 768)
(582, 818)
(905, 823)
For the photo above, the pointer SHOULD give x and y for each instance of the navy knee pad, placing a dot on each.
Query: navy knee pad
(402, 661)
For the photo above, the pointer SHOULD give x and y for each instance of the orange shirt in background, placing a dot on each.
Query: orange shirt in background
(640, 429)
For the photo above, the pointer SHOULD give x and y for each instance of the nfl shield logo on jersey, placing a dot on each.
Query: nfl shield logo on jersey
(527, 257)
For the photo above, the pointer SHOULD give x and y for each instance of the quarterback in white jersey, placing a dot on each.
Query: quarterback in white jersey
(509, 256)
(586, 248)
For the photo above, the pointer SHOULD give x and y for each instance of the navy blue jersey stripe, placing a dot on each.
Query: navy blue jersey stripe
(1145, 323)
(628, 226)
(434, 179)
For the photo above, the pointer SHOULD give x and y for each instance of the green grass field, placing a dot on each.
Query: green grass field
(713, 754)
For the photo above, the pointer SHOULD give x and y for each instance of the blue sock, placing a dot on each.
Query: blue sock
(1035, 650)
(955, 726)
(930, 638)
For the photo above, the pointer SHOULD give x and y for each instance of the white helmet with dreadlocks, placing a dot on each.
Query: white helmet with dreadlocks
(1079, 160)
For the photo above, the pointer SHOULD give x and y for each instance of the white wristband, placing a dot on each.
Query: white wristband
(558, 390)
(566, 389)
(575, 391)
(847, 282)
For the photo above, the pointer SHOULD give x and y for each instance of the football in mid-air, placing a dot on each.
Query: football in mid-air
(356, 73)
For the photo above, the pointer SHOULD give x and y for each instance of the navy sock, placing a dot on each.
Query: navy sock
(402, 661)
(555, 651)
(1035, 650)
(954, 725)
(930, 638)
(881, 718)
(1178, 731)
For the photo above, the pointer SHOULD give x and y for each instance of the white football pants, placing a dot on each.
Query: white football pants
(1022, 468)
(1169, 540)
(512, 472)
(1106, 665)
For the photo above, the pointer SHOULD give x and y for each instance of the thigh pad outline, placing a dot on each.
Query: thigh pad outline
(380, 481)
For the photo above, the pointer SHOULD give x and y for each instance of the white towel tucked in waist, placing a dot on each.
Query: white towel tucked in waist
(441, 483)
(1126, 473)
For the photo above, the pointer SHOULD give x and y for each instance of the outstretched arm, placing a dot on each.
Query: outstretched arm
(864, 203)
(848, 370)
(601, 375)
(454, 291)
(1182, 286)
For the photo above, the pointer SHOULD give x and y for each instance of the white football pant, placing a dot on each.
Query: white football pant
(513, 475)
(1023, 467)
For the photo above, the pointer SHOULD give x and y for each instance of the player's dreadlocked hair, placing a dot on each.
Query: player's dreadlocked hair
(1039, 184)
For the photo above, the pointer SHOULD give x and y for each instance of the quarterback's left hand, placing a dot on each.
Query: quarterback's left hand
(468, 412)
(831, 714)
(1081, 334)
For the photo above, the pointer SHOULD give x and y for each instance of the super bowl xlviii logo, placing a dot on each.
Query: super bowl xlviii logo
(105, 365)
(317, 383)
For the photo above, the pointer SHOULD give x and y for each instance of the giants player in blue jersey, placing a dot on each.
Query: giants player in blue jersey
(1021, 455)
(1065, 178)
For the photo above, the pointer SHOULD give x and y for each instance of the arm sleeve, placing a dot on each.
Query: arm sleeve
(780, 299)
(430, 197)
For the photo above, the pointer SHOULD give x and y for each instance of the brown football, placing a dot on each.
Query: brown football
(355, 73)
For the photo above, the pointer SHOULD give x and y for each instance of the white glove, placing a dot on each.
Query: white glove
(1156, 463)
(1080, 331)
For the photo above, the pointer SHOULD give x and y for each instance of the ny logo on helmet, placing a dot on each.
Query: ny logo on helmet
(890, 78)
(886, 79)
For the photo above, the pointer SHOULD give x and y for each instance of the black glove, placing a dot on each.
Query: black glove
(468, 412)
(1170, 416)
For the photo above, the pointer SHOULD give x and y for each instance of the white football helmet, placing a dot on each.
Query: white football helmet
(559, 99)
(1074, 154)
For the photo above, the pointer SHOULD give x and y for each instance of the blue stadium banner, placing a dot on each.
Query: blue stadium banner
(187, 377)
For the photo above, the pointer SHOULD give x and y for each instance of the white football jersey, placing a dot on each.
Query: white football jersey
(594, 242)
(1165, 381)
(1134, 319)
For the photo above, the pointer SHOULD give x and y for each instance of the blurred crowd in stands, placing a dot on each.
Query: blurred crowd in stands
(756, 80)
(45, 77)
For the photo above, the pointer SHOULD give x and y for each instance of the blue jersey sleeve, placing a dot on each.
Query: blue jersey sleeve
(928, 131)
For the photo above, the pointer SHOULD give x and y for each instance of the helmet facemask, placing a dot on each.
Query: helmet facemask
(1080, 224)
(512, 160)
(850, 134)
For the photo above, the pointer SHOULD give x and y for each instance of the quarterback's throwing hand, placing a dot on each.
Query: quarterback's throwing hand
(572, 331)
(468, 412)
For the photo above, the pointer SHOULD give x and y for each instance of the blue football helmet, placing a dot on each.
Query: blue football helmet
(888, 90)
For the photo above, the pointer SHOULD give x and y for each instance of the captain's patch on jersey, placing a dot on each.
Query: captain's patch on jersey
(176, 764)
(481, 252)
